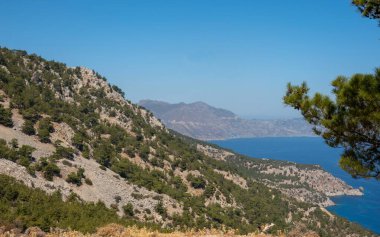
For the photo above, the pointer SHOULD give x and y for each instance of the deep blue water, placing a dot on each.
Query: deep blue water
(364, 210)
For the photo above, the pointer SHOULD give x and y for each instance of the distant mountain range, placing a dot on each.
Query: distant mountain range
(202, 121)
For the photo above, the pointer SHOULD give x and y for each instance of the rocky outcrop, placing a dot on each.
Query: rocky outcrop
(306, 183)
(313, 185)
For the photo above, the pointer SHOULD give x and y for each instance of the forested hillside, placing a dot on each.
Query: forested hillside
(79, 147)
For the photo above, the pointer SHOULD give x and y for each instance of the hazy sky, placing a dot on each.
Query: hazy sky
(234, 54)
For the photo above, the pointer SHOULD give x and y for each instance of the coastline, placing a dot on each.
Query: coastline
(361, 208)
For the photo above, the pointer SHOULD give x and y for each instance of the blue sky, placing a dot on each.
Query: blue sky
(234, 54)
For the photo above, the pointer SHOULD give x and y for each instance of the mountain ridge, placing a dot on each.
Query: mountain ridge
(202, 121)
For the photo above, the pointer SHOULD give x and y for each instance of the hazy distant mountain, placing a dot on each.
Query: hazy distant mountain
(202, 121)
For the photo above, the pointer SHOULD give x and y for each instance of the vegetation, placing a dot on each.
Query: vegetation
(163, 155)
(368, 8)
(5, 117)
(76, 178)
(22, 155)
(44, 129)
(128, 210)
(64, 152)
(196, 182)
(48, 168)
(352, 120)
(33, 207)
(28, 128)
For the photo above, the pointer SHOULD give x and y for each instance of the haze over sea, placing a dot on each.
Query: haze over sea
(364, 210)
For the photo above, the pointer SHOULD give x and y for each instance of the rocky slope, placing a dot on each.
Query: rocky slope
(306, 183)
(202, 121)
(67, 130)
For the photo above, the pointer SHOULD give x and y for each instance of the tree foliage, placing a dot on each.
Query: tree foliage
(5, 116)
(352, 120)
(44, 129)
(28, 128)
(368, 8)
(128, 209)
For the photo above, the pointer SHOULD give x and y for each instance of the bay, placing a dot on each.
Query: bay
(364, 210)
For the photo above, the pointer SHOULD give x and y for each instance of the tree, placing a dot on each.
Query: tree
(5, 117)
(160, 209)
(196, 182)
(352, 120)
(51, 170)
(368, 8)
(44, 129)
(76, 178)
(28, 128)
(128, 210)
(104, 153)
(78, 141)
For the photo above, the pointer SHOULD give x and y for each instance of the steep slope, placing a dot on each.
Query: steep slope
(202, 121)
(66, 130)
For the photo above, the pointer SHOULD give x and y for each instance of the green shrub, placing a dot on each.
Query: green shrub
(160, 209)
(44, 129)
(88, 181)
(5, 117)
(104, 153)
(21, 155)
(64, 152)
(78, 141)
(209, 191)
(14, 143)
(196, 182)
(128, 209)
(48, 169)
(28, 128)
(76, 178)
(117, 199)
(67, 163)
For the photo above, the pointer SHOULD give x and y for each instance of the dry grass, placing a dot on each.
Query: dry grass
(114, 230)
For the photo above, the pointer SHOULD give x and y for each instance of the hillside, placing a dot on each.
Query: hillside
(75, 154)
(202, 121)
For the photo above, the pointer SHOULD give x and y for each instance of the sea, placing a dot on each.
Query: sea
(364, 210)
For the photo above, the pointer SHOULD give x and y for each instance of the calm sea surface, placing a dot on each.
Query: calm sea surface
(364, 210)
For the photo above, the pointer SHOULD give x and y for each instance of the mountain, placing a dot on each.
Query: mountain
(202, 121)
(76, 155)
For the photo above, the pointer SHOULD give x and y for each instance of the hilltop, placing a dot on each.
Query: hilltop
(75, 154)
(202, 121)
